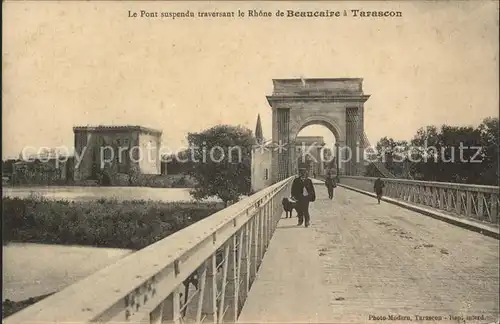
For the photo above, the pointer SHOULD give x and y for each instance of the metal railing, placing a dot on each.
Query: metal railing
(473, 201)
(202, 273)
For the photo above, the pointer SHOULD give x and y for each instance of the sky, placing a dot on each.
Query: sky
(88, 63)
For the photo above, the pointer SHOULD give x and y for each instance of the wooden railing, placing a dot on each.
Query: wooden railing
(202, 273)
(473, 201)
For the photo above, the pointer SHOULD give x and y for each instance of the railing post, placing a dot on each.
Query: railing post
(435, 197)
(468, 204)
(222, 306)
(276, 214)
(273, 208)
(242, 266)
(202, 275)
(254, 247)
(265, 228)
(245, 269)
(210, 297)
(262, 230)
(442, 198)
(172, 308)
(156, 316)
(480, 205)
(232, 284)
(458, 202)
(177, 306)
(450, 199)
(269, 223)
(494, 208)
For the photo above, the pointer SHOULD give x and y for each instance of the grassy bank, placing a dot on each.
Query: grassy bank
(101, 223)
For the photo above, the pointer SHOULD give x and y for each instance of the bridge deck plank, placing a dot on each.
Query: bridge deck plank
(359, 259)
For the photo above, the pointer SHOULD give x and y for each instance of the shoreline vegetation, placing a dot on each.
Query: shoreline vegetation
(101, 223)
(119, 180)
(107, 223)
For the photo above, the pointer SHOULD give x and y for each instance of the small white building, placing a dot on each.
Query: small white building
(261, 166)
(121, 149)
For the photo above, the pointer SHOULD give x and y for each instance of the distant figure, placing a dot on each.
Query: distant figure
(314, 175)
(330, 183)
(377, 187)
(303, 192)
(105, 179)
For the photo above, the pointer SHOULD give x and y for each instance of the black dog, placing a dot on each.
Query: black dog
(289, 206)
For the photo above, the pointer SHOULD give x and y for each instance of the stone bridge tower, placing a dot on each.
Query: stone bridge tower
(336, 103)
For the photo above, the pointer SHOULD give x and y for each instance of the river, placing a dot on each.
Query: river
(93, 193)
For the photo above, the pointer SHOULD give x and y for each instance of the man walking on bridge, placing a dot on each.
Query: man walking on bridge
(330, 184)
(303, 192)
(377, 187)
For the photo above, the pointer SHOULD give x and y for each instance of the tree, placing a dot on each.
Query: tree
(489, 142)
(446, 154)
(178, 163)
(221, 162)
(394, 155)
(8, 166)
(462, 154)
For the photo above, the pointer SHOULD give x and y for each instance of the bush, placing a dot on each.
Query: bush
(101, 223)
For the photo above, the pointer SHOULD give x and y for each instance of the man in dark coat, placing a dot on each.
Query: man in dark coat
(377, 187)
(303, 192)
(330, 183)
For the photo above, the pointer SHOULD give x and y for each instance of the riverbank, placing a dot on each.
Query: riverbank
(74, 193)
(49, 244)
(102, 223)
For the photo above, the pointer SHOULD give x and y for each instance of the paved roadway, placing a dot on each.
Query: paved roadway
(359, 259)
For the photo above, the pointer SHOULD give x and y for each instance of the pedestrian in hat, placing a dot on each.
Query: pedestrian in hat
(330, 183)
(377, 187)
(303, 192)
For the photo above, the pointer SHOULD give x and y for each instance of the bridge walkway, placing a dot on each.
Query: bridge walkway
(359, 258)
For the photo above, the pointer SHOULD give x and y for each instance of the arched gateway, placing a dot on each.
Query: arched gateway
(336, 103)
